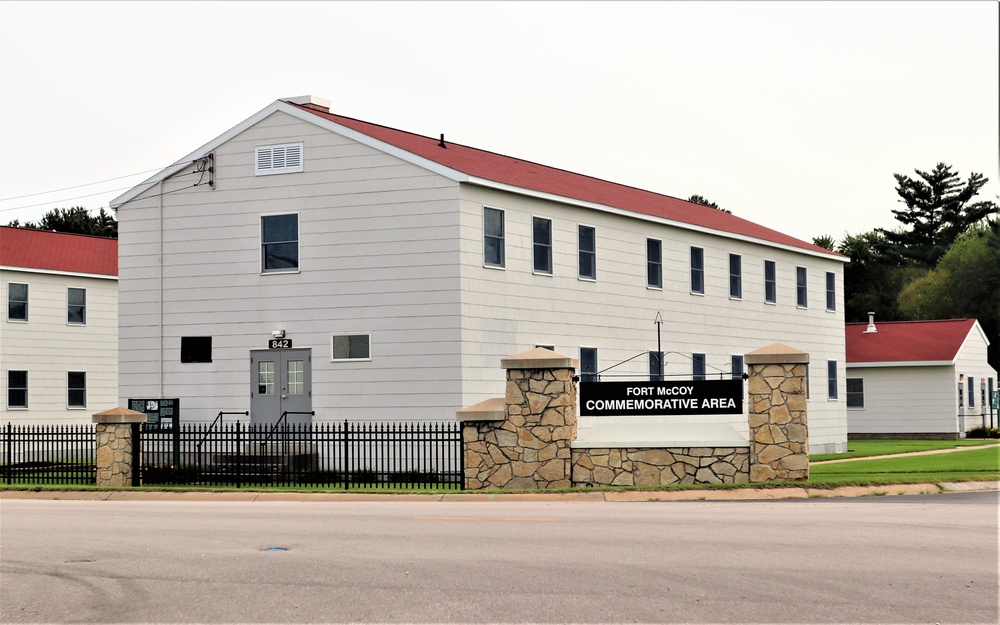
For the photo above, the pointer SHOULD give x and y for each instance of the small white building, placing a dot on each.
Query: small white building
(917, 379)
(306, 261)
(59, 335)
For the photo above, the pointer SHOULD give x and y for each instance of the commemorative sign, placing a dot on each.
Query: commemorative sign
(692, 397)
(161, 414)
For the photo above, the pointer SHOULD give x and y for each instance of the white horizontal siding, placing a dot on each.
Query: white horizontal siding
(904, 400)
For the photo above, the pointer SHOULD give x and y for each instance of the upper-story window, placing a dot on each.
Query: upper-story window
(697, 270)
(350, 347)
(542, 244)
(801, 292)
(770, 282)
(76, 308)
(17, 302)
(279, 236)
(972, 391)
(831, 291)
(735, 276)
(588, 252)
(493, 237)
(654, 263)
(278, 159)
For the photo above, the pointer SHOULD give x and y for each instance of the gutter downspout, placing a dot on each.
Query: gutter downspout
(159, 253)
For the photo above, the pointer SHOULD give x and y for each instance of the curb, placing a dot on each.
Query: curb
(742, 494)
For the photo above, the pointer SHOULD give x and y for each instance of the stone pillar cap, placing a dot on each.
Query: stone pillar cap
(539, 358)
(490, 410)
(120, 415)
(776, 353)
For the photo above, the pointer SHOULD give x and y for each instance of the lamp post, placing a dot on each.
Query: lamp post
(659, 350)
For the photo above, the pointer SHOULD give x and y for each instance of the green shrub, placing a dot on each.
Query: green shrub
(983, 432)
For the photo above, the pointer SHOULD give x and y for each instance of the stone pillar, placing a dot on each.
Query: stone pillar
(118, 455)
(779, 430)
(522, 441)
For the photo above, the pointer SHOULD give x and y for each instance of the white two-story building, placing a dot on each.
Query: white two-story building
(59, 335)
(305, 261)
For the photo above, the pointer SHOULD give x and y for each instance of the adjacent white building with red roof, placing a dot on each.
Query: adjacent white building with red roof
(925, 379)
(306, 261)
(59, 334)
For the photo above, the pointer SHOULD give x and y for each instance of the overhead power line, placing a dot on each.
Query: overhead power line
(18, 197)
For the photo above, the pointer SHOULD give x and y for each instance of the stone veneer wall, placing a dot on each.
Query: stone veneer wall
(527, 446)
(660, 467)
(779, 429)
(116, 458)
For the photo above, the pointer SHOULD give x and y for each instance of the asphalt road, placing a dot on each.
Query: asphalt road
(903, 559)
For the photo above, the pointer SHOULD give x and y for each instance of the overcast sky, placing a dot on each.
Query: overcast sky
(791, 114)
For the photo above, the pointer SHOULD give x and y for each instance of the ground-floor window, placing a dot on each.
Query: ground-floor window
(17, 389)
(76, 389)
(855, 392)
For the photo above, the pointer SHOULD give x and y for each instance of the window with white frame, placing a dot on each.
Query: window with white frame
(17, 301)
(736, 366)
(655, 366)
(770, 282)
(972, 391)
(698, 366)
(541, 238)
(855, 392)
(831, 379)
(76, 389)
(831, 291)
(17, 389)
(278, 159)
(76, 306)
(493, 237)
(654, 263)
(588, 364)
(697, 270)
(350, 347)
(279, 243)
(735, 276)
(801, 292)
(587, 237)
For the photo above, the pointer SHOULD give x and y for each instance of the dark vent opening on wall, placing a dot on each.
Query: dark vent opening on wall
(196, 349)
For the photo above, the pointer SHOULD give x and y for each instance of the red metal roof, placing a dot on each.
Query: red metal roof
(58, 251)
(535, 177)
(907, 341)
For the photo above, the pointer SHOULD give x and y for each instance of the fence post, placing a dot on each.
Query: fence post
(8, 444)
(118, 459)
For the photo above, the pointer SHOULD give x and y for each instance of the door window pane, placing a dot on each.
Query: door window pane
(296, 379)
(265, 378)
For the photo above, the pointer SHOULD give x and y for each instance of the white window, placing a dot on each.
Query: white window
(588, 252)
(296, 377)
(265, 378)
(17, 302)
(654, 263)
(855, 392)
(542, 244)
(831, 379)
(278, 159)
(17, 389)
(350, 347)
(588, 364)
(655, 366)
(735, 276)
(801, 293)
(493, 237)
(279, 243)
(697, 270)
(76, 309)
(698, 366)
(736, 366)
(770, 282)
(831, 291)
(76, 389)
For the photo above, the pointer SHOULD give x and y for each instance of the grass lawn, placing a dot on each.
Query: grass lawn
(980, 464)
(863, 448)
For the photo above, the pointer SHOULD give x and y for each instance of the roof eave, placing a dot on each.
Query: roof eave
(902, 363)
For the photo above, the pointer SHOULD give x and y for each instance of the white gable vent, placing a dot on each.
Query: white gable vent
(278, 159)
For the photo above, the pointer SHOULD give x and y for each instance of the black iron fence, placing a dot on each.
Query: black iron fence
(49, 454)
(341, 454)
